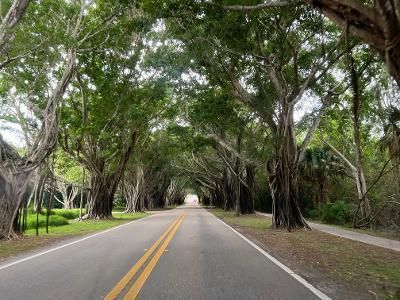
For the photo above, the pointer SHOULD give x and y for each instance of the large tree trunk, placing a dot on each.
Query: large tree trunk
(227, 190)
(40, 183)
(236, 187)
(68, 192)
(283, 176)
(132, 197)
(363, 212)
(13, 184)
(103, 187)
(134, 187)
(102, 190)
(396, 174)
(247, 193)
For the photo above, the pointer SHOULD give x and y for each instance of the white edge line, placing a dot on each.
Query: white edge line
(71, 243)
(300, 279)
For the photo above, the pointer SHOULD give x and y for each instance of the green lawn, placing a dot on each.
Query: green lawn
(87, 226)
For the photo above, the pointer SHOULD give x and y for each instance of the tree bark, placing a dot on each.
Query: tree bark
(102, 190)
(10, 21)
(134, 187)
(68, 192)
(283, 175)
(40, 183)
(102, 186)
(13, 185)
(236, 187)
(247, 194)
(363, 202)
(227, 190)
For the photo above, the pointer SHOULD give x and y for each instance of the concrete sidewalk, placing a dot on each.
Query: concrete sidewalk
(352, 235)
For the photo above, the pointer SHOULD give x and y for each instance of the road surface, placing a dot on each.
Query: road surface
(185, 253)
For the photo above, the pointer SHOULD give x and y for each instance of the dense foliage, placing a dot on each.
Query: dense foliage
(137, 103)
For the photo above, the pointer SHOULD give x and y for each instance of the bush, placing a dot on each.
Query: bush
(43, 211)
(68, 214)
(54, 220)
(336, 213)
(57, 221)
(313, 213)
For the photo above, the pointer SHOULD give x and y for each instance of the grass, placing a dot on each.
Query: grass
(57, 217)
(54, 220)
(87, 226)
(9, 249)
(69, 214)
(30, 241)
(252, 221)
(342, 268)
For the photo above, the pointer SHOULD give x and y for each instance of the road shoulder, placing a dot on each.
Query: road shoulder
(341, 268)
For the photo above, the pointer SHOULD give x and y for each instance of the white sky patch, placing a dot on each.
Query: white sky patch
(12, 134)
(307, 104)
(191, 76)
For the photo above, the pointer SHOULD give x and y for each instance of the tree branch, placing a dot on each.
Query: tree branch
(266, 4)
(10, 21)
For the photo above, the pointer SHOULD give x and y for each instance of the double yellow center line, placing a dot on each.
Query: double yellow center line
(164, 240)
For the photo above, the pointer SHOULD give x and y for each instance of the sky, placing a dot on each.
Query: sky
(12, 134)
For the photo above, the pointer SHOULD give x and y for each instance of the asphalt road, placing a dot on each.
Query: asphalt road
(199, 258)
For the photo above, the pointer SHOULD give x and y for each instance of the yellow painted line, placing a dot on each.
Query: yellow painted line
(135, 289)
(113, 294)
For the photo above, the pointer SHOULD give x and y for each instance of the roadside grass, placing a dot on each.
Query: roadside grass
(9, 249)
(73, 228)
(57, 217)
(342, 268)
(252, 221)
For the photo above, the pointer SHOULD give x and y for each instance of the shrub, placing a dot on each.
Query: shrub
(313, 213)
(43, 211)
(54, 220)
(335, 213)
(57, 221)
(68, 214)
